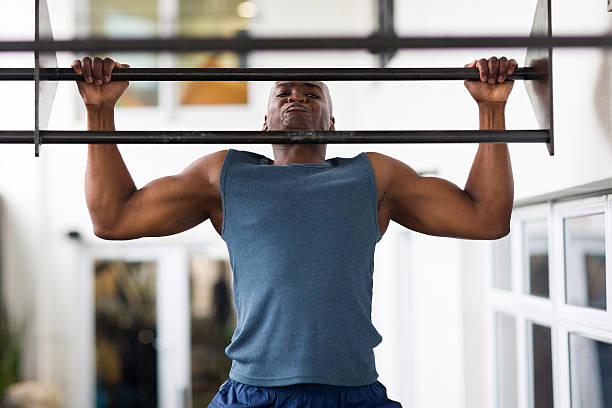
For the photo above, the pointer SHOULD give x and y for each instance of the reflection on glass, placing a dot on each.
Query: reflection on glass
(502, 267)
(542, 381)
(126, 326)
(129, 19)
(210, 18)
(213, 319)
(506, 360)
(590, 372)
(585, 261)
(535, 234)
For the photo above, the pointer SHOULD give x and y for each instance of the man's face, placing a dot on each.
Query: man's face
(298, 105)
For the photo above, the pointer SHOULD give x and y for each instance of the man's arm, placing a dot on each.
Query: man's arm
(117, 208)
(436, 206)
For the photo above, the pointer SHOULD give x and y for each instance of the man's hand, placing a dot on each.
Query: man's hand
(492, 87)
(97, 90)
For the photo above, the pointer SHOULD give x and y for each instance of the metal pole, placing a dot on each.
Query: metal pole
(280, 137)
(36, 79)
(385, 28)
(373, 43)
(267, 74)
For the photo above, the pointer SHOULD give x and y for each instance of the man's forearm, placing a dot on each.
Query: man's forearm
(108, 183)
(490, 183)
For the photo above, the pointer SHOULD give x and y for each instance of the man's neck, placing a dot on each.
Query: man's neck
(298, 153)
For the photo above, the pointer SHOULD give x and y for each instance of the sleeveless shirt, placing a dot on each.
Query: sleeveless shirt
(301, 240)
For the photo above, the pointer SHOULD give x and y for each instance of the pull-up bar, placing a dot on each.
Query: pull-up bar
(268, 74)
(277, 137)
(537, 74)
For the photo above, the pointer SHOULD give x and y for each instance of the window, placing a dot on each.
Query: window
(137, 18)
(541, 384)
(536, 257)
(505, 331)
(552, 337)
(585, 261)
(590, 372)
(164, 18)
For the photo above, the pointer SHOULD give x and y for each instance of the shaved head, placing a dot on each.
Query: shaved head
(319, 84)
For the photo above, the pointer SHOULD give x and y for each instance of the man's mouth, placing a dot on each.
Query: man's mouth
(296, 108)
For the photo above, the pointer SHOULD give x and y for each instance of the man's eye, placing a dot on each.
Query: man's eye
(312, 95)
(282, 94)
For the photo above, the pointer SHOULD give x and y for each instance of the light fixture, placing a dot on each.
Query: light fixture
(247, 9)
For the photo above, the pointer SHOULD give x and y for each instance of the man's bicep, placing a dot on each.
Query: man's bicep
(168, 205)
(432, 205)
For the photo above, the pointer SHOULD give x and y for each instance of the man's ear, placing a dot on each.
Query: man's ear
(265, 124)
(332, 123)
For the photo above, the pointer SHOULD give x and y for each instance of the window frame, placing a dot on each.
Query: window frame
(589, 206)
(553, 312)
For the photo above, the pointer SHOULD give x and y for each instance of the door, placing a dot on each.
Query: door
(134, 344)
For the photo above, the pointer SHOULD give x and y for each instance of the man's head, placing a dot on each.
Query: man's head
(299, 105)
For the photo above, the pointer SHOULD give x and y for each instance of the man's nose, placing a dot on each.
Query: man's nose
(297, 96)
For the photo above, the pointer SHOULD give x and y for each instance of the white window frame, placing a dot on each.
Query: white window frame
(563, 319)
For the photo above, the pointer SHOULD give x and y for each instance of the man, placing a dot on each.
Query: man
(301, 232)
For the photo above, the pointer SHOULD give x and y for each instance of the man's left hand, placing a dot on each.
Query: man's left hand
(493, 88)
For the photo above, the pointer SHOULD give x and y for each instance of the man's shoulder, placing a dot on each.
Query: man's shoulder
(379, 160)
(207, 168)
(386, 167)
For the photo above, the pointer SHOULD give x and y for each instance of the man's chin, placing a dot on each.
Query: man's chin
(297, 126)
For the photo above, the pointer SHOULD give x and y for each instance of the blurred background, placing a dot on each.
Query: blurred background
(518, 322)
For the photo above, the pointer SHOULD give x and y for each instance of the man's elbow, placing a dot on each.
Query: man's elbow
(498, 231)
(103, 233)
(107, 232)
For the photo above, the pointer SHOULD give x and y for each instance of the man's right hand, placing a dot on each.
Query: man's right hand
(97, 90)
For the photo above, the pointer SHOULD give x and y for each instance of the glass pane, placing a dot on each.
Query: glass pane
(212, 92)
(590, 372)
(213, 319)
(126, 327)
(125, 19)
(502, 266)
(585, 261)
(535, 235)
(213, 18)
(542, 381)
(506, 361)
(208, 18)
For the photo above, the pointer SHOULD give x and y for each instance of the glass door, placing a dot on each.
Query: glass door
(134, 337)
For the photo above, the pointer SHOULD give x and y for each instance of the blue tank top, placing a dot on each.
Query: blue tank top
(301, 240)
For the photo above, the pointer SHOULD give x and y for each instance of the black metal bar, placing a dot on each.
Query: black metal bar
(386, 28)
(280, 137)
(36, 79)
(267, 74)
(373, 43)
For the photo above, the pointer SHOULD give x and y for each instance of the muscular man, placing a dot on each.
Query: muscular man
(301, 232)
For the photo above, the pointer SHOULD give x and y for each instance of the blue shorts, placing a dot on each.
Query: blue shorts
(233, 394)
